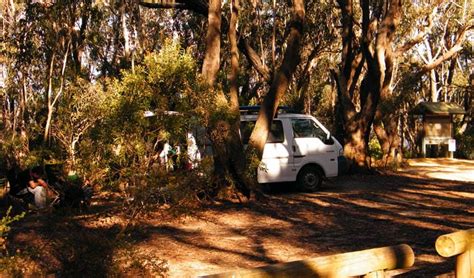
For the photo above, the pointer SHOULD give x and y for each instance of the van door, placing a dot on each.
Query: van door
(310, 145)
(276, 159)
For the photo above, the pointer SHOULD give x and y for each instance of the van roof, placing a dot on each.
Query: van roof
(254, 109)
(279, 116)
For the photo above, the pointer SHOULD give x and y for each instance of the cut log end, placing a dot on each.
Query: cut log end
(455, 243)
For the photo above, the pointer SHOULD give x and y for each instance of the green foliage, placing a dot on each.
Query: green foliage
(465, 144)
(121, 151)
(375, 150)
(5, 226)
(14, 152)
(6, 221)
(10, 149)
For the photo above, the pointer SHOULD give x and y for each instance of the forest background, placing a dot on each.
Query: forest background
(77, 76)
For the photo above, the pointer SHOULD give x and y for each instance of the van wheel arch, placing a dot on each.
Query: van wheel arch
(310, 177)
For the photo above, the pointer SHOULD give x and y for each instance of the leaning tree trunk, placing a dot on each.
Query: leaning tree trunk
(52, 100)
(280, 82)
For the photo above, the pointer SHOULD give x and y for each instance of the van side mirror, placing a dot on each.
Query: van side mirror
(329, 140)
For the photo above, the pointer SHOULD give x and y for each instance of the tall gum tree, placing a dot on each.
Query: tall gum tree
(386, 125)
(366, 70)
(281, 80)
(229, 159)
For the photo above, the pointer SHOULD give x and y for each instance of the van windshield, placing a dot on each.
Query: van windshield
(306, 128)
(275, 136)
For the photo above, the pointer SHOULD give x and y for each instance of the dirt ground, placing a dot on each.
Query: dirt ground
(414, 205)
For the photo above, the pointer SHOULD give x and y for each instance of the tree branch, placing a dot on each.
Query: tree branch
(418, 38)
(201, 7)
(452, 51)
(254, 59)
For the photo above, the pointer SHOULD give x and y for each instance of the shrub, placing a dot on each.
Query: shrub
(5, 226)
(465, 144)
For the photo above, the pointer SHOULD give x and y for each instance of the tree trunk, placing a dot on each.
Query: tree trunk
(386, 124)
(376, 53)
(49, 101)
(211, 62)
(280, 82)
(387, 131)
(352, 124)
(433, 86)
(52, 101)
(229, 159)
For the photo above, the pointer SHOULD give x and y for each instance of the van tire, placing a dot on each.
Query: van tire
(310, 179)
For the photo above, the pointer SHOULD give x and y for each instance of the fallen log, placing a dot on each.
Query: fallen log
(341, 265)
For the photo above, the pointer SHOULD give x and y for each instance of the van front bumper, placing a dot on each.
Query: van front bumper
(342, 165)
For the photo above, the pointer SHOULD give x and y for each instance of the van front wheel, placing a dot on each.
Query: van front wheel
(310, 179)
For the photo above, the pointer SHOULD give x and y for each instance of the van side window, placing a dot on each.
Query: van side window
(306, 128)
(276, 134)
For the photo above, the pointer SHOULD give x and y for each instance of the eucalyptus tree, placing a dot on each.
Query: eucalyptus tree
(375, 37)
(279, 83)
(439, 50)
(319, 47)
(426, 26)
(366, 68)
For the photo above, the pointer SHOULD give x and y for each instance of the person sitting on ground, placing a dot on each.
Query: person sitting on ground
(32, 181)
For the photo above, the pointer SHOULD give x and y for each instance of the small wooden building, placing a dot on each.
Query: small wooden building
(437, 134)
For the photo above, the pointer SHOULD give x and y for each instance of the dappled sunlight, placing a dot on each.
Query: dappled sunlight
(349, 214)
(374, 205)
(342, 218)
(440, 161)
(442, 193)
(442, 168)
(246, 219)
(451, 175)
(320, 203)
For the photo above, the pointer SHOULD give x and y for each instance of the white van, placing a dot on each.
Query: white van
(298, 149)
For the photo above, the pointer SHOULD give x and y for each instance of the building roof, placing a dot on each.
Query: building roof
(437, 108)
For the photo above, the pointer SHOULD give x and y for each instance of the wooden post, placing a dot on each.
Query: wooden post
(465, 264)
(340, 265)
(376, 274)
(460, 244)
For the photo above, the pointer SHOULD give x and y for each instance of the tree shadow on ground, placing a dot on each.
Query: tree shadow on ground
(354, 216)
(349, 214)
(66, 243)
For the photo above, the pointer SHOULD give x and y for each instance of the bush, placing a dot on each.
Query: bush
(180, 191)
(375, 150)
(5, 224)
(465, 144)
